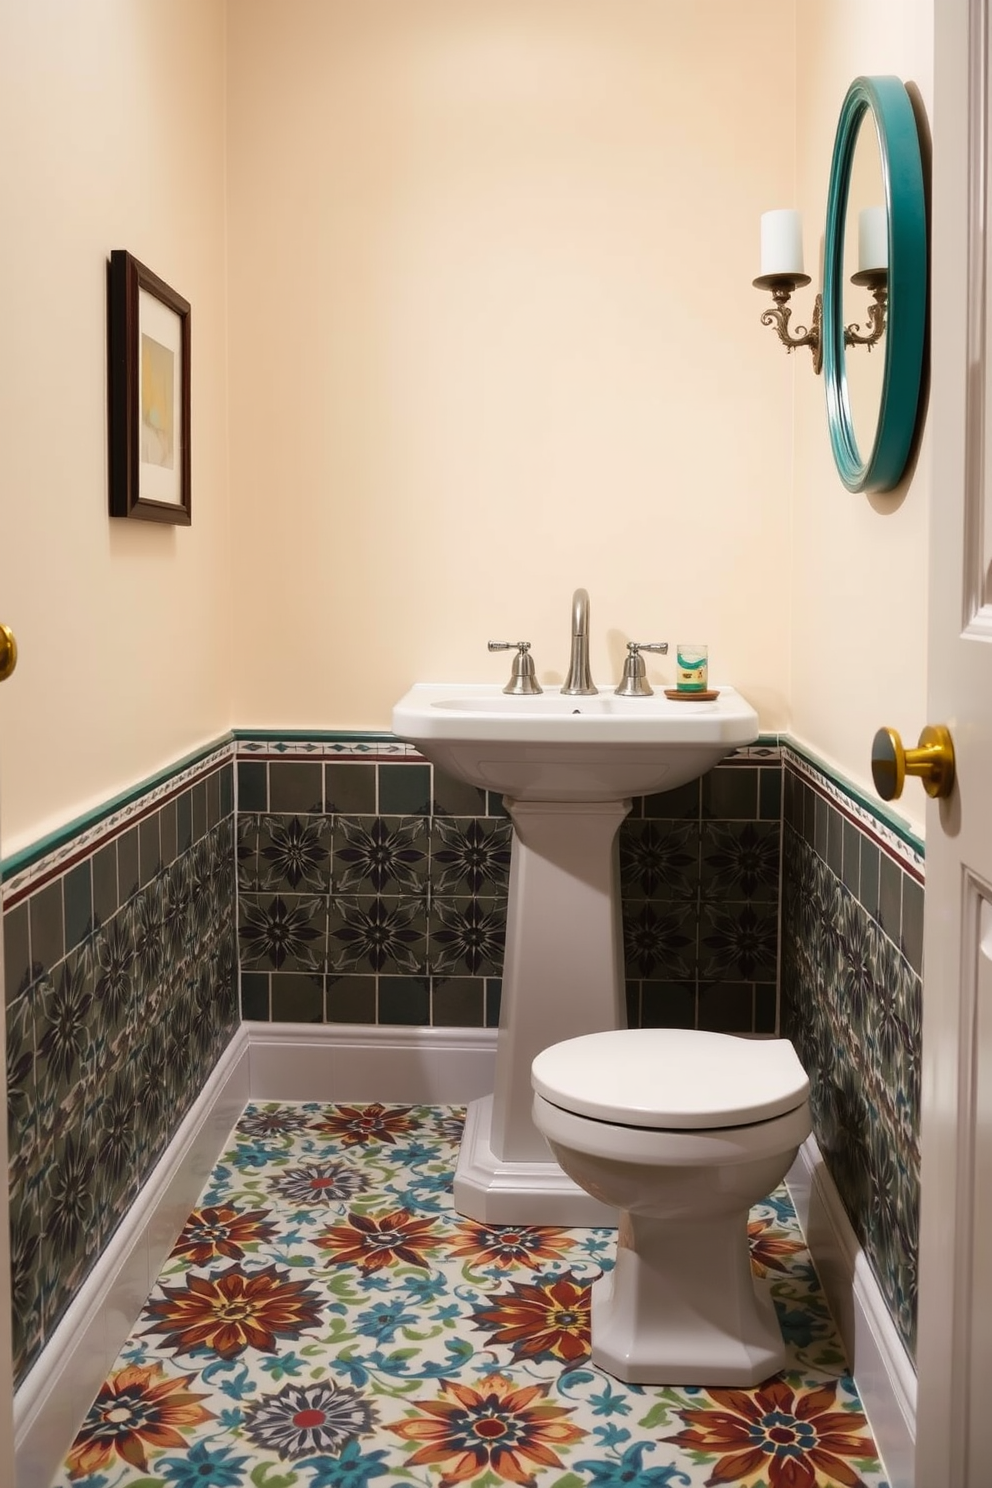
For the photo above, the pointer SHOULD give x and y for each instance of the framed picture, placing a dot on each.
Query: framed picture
(149, 394)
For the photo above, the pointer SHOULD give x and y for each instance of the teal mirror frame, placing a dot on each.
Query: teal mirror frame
(882, 467)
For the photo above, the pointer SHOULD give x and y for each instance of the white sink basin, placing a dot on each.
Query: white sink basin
(566, 748)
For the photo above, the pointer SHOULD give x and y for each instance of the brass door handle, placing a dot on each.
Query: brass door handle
(8, 652)
(932, 760)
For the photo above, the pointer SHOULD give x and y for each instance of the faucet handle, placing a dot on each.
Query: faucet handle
(523, 678)
(634, 682)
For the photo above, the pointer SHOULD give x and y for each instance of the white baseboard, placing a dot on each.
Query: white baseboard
(883, 1371)
(367, 1062)
(66, 1378)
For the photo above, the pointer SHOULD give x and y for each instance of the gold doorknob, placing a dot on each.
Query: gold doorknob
(932, 761)
(8, 652)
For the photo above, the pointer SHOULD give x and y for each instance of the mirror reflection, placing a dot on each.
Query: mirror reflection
(865, 271)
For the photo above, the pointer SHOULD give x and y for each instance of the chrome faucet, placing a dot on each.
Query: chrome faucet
(579, 679)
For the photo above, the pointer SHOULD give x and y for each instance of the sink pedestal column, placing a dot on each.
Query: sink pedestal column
(562, 977)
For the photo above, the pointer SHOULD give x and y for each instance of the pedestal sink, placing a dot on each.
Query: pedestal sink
(567, 767)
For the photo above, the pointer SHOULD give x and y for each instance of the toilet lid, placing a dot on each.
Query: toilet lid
(671, 1077)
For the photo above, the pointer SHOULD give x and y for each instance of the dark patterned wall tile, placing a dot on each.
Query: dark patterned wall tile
(405, 790)
(912, 923)
(738, 941)
(248, 871)
(467, 936)
(494, 997)
(350, 788)
(469, 857)
(835, 841)
(253, 786)
(22, 1097)
(296, 786)
(682, 803)
(668, 1004)
(77, 898)
(404, 1000)
(198, 809)
(297, 998)
(740, 861)
(374, 933)
(660, 859)
(890, 897)
(659, 939)
(213, 799)
(381, 855)
(821, 813)
(16, 952)
(225, 777)
(458, 1002)
(255, 996)
(730, 794)
(766, 1008)
(851, 871)
(870, 868)
(283, 932)
(293, 854)
(770, 799)
(184, 821)
(149, 849)
(168, 833)
(127, 864)
(726, 1007)
(850, 1002)
(351, 999)
(47, 928)
(455, 798)
(105, 898)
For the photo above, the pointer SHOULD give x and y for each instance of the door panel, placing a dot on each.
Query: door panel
(954, 1435)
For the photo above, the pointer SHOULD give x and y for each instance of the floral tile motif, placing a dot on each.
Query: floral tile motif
(467, 936)
(326, 1320)
(380, 855)
(144, 1002)
(470, 857)
(659, 860)
(852, 1006)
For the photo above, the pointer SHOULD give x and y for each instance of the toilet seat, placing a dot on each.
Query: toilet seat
(674, 1079)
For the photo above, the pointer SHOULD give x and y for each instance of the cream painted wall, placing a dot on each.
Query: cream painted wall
(493, 336)
(859, 564)
(112, 115)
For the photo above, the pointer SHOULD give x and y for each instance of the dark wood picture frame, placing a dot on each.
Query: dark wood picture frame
(149, 400)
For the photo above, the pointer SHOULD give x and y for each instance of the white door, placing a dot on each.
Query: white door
(954, 1421)
(8, 656)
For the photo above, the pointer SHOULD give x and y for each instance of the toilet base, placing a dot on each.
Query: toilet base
(495, 1190)
(681, 1307)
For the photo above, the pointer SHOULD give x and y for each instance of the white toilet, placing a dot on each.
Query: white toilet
(682, 1131)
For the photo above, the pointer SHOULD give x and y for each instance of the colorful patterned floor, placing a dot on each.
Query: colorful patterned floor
(327, 1320)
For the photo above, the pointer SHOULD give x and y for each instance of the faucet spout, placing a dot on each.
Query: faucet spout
(579, 679)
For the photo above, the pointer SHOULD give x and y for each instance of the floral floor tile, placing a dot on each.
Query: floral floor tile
(327, 1320)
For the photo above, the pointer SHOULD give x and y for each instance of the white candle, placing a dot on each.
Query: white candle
(873, 238)
(782, 242)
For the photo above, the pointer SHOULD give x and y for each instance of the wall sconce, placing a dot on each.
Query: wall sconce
(782, 274)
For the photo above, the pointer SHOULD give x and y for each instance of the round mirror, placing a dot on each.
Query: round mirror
(875, 285)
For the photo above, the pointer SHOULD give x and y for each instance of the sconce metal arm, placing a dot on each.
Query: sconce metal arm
(877, 281)
(781, 288)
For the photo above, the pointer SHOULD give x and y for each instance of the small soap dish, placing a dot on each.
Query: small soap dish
(685, 696)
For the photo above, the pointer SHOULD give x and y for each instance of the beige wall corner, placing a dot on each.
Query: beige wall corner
(859, 563)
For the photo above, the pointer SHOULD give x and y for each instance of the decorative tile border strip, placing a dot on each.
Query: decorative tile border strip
(333, 744)
(870, 817)
(80, 838)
